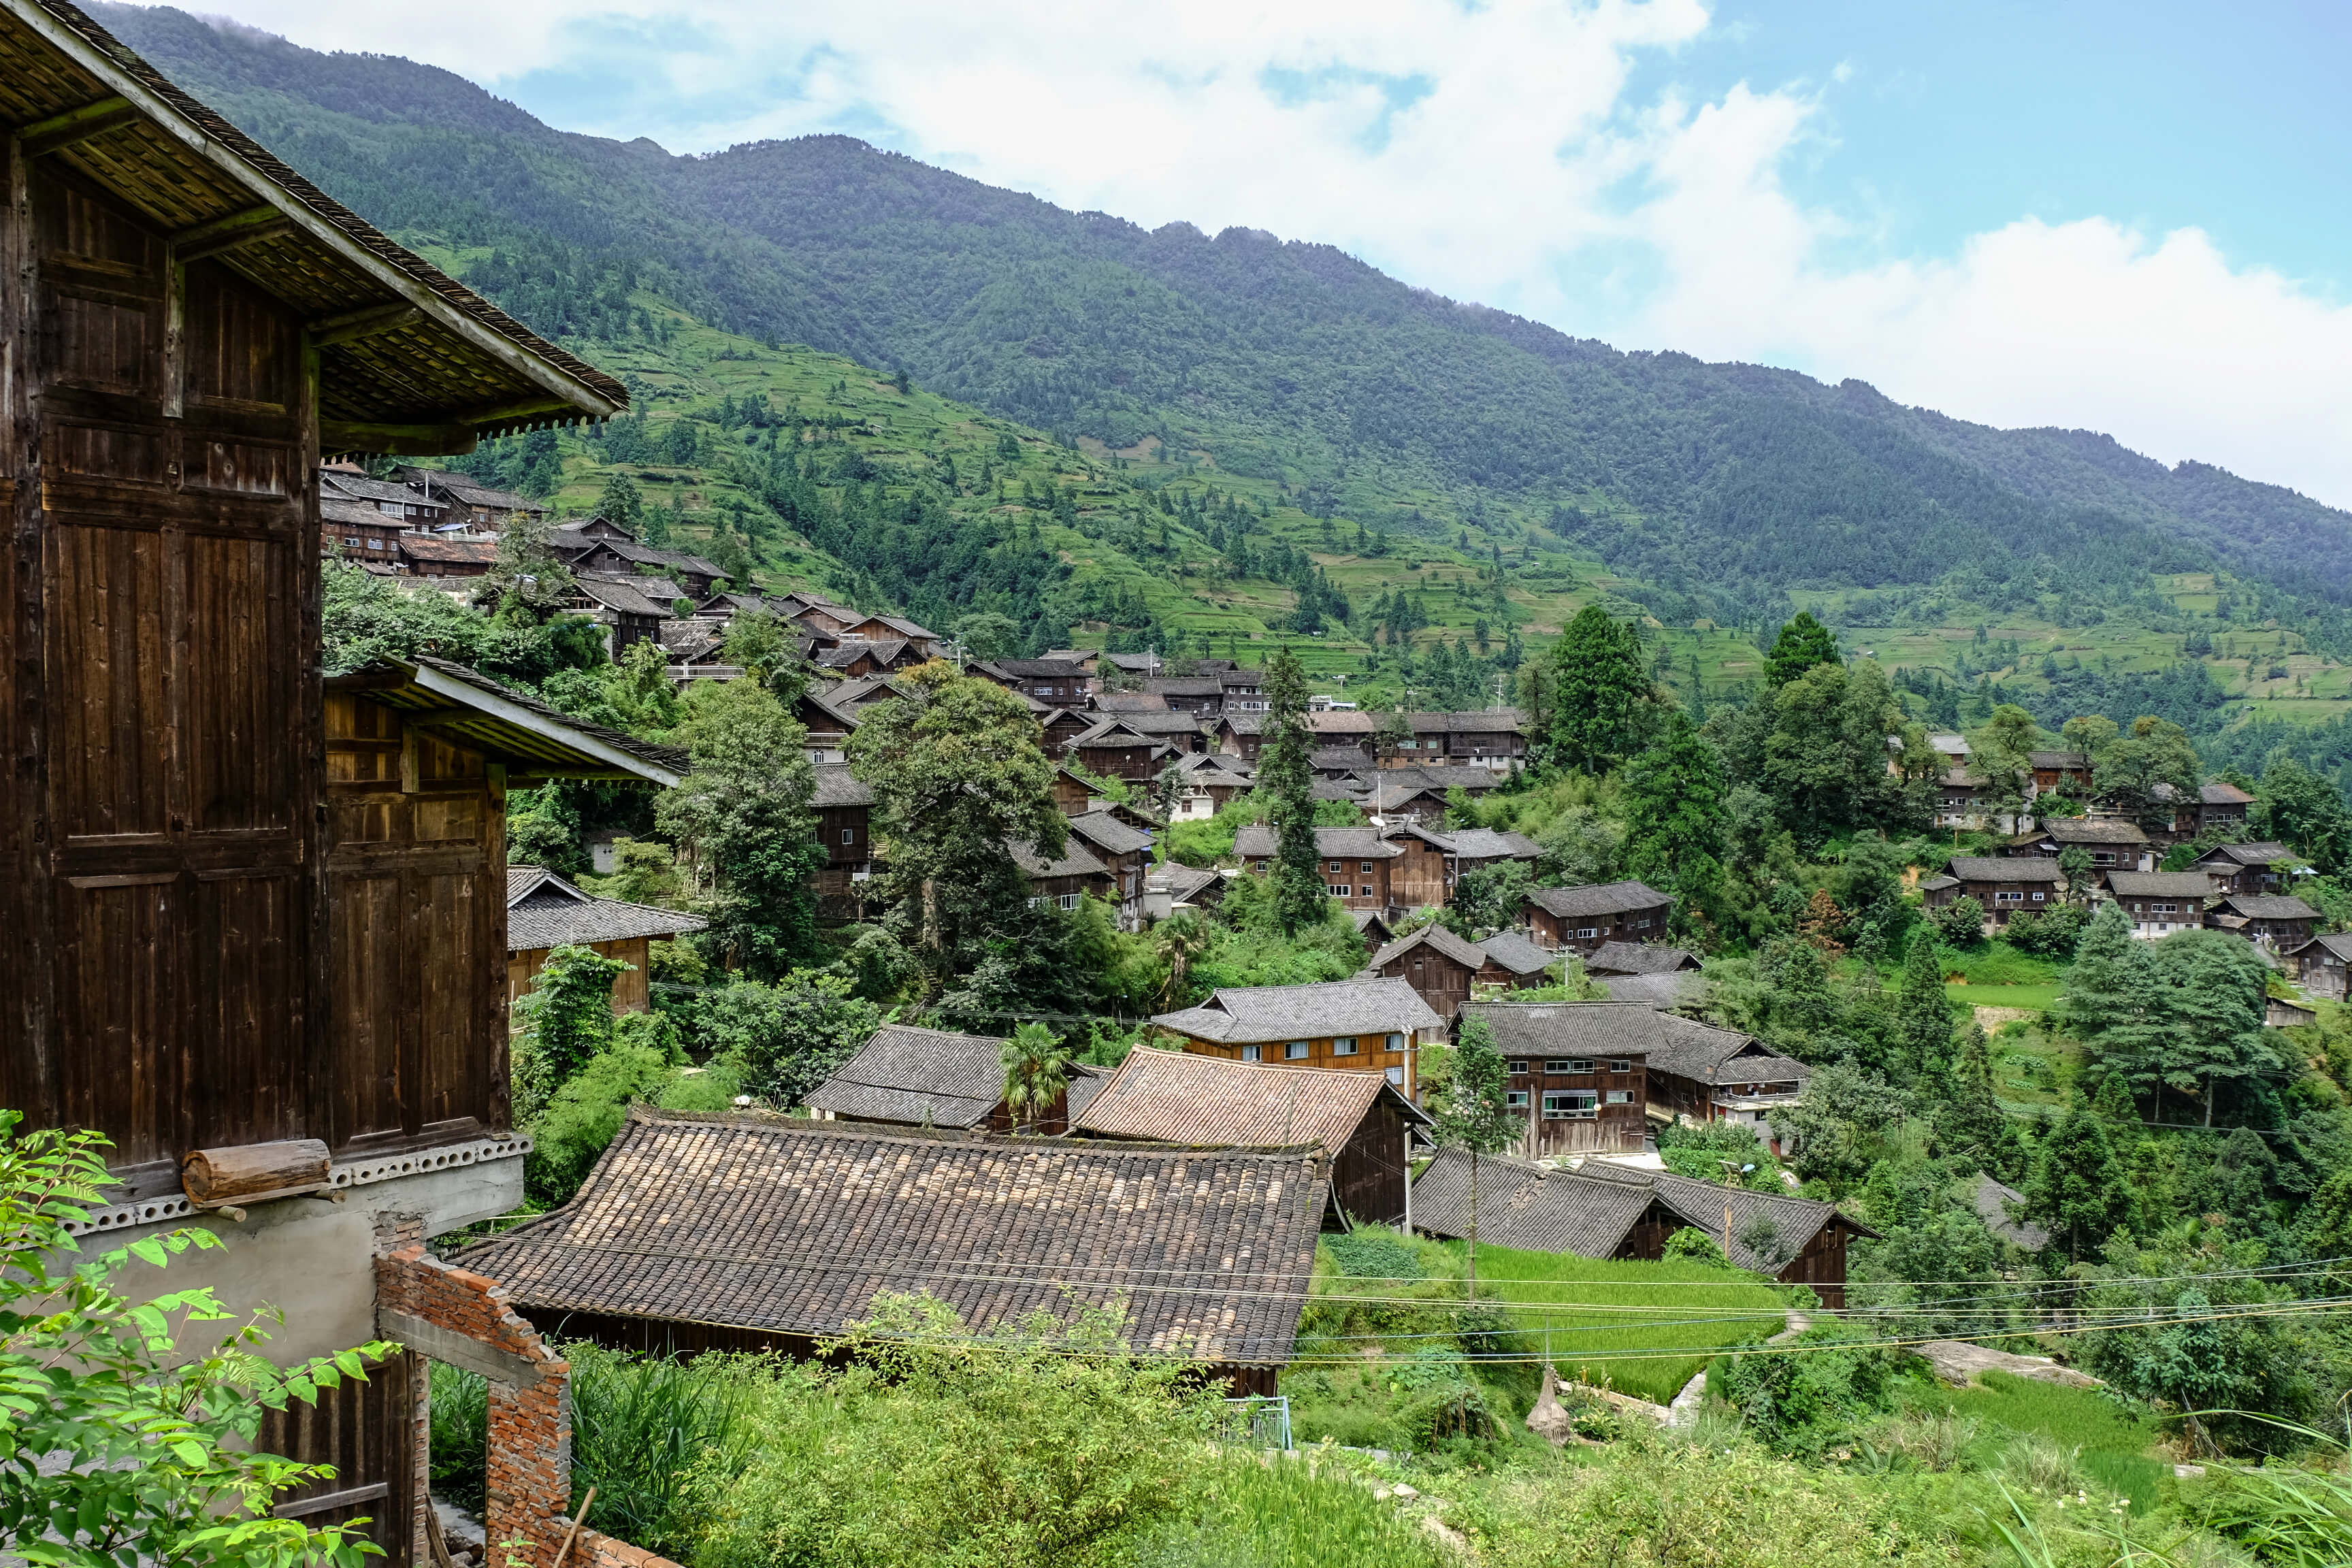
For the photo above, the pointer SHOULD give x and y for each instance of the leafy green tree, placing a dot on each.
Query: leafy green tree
(2306, 812)
(2110, 1004)
(2074, 864)
(985, 635)
(621, 500)
(565, 1018)
(2215, 999)
(2156, 752)
(1959, 923)
(1601, 693)
(525, 570)
(1822, 759)
(1285, 782)
(1923, 1013)
(1692, 1245)
(767, 647)
(2075, 1189)
(1968, 1120)
(1476, 1114)
(1391, 733)
(743, 815)
(1802, 643)
(119, 1444)
(782, 1040)
(1676, 819)
(2090, 734)
(1037, 1063)
(2003, 755)
(960, 779)
(1840, 1130)
(1490, 897)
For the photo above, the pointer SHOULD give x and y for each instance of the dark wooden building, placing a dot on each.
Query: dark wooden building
(2320, 965)
(753, 1233)
(1367, 1127)
(2112, 843)
(2258, 868)
(1376, 1026)
(1604, 1209)
(1439, 965)
(1578, 920)
(241, 906)
(2279, 922)
(1356, 862)
(2003, 884)
(1578, 1071)
(545, 912)
(2159, 902)
(845, 825)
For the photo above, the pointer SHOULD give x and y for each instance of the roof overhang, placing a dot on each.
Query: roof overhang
(532, 742)
(470, 370)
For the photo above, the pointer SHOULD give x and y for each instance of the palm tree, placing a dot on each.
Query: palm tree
(1037, 1064)
(1179, 938)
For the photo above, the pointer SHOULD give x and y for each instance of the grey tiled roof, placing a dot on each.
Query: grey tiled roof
(2059, 760)
(1075, 861)
(1597, 899)
(2221, 793)
(2090, 830)
(1937, 884)
(1107, 833)
(919, 1077)
(1254, 1015)
(1701, 1204)
(544, 911)
(1516, 953)
(1525, 1205)
(1569, 1029)
(1707, 1055)
(2337, 943)
(1478, 722)
(1638, 958)
(1660, 991)
(632, 595)
(2265, 853)
(1182, 881)
(1486, 844)
(1992, 1201)
(836, 785)
(2007, 869)
(2269, 907)
(1255, 842)
(1436, 937)
(2194, 885)
(793, 1226)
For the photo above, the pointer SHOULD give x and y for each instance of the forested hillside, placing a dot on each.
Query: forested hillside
(1722, 494)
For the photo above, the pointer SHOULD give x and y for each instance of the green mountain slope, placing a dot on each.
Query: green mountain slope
(1322, 390)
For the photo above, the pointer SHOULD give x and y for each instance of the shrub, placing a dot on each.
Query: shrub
(1959, 923)
(1692, 1245)
(1817, 1393)
(950, 1448)
(2051, 934)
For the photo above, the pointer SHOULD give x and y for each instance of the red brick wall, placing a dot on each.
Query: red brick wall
(530, 1478)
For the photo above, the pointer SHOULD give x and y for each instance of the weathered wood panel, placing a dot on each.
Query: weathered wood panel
(363, 1430)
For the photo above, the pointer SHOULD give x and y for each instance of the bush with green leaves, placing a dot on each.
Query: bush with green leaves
(782, 1040)
(119, 1444)
(945, 1446)
(565, 1018)
(1815, 1391)
(2050, 934)
(1959, 923)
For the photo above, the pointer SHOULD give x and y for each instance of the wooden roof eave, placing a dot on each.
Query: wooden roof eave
(548, 392)
(532, 747)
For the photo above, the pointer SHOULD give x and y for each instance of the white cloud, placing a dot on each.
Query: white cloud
(1492, 150)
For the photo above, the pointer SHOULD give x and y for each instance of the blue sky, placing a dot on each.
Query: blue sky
(2125, 217)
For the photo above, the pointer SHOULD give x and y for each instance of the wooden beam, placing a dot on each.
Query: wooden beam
(497, 413)
(353, 325)
(398, 440)
(245, 227)
(59, 132)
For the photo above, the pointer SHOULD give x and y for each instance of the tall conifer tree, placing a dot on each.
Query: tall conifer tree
(1287, 779)
(1603, 695)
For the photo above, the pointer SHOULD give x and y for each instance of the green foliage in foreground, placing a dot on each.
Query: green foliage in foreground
(1305, 1511)
(119, 1444)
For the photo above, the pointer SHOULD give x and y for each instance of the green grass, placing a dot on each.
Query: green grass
(1301, 1511)
(2038, 998)
(2110, 1441)
(1644, 1329)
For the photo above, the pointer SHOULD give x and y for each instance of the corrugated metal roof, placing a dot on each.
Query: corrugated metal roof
(793, 1226)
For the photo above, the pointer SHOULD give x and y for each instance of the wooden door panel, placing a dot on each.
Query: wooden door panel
(247, 1007)
(109, 683)
(238, 713)
(454, 1055)
(117, 1067)
(370, 1011)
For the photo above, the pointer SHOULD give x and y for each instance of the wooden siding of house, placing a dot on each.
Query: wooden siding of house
(1556, 933)
(158, 691)
(1422, 878)
(367, 1431)
(1444, 982)
(1371, 1055)
(1611, 1129)
(1820, 1265)
(847, 834)
(415, 863)
(632, 989)
(1369, 1177)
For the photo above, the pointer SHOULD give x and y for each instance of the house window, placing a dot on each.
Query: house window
(1640, 925)
(1339, 865)
(1621, 1096)
(1295, 1051)
(1366, 890)
(1621, 1063)
(1345, 1046)
(1517, 1070)
(1568, 1064)
(1574, 1103)
(1396, 1042)
(1070, 900)
(1514, 1099)
(1338, 890)
(1366, 868)
(2009, 898)
(2037, 898)
(1396, 1076)
(1589, 931)
(2162, 908)
(849, 835)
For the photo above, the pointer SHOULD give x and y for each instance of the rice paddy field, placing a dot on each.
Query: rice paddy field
(2109, 1444)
